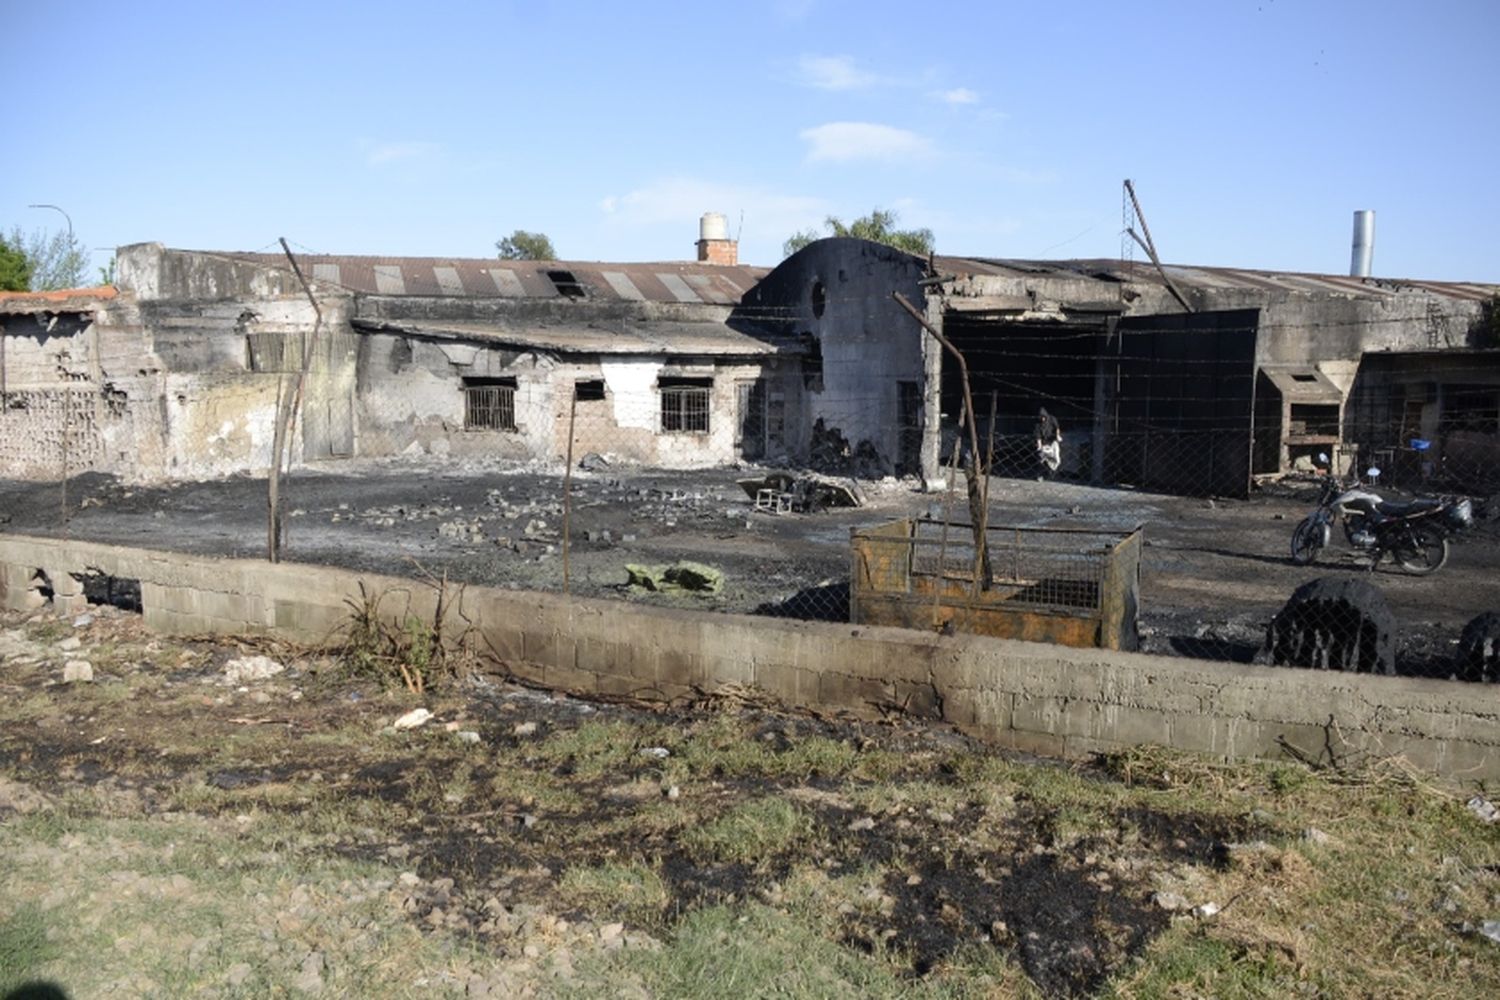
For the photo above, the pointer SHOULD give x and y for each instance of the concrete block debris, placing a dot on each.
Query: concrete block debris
(681, 577)
(244, 669)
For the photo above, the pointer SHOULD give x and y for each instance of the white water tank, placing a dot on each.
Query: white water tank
(713, 226)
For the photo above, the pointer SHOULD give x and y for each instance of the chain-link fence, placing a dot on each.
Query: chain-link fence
(716, 487)
(839, 535)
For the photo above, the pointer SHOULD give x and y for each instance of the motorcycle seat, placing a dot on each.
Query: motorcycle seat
(1394, 508)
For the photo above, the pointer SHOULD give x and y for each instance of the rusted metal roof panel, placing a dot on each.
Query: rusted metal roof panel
(444, 277)
(63, 300)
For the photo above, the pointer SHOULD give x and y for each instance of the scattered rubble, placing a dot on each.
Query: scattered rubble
(244, 669)
(78, 672)
(1484, 809)
(411, 720)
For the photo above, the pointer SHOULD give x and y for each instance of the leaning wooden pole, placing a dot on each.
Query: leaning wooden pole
(567, 525)
(981, 551)
(286, 412)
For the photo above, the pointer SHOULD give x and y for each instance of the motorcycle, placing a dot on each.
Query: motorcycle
(1415, 533)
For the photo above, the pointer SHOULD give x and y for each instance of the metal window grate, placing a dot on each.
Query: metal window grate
(490, 407)
(684, 409)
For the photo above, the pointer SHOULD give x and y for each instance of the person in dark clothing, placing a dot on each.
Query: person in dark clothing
(1048, 444)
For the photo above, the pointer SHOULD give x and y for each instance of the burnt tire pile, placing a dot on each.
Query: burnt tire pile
(1478, 656)
(1334, 624)
(1341, 624)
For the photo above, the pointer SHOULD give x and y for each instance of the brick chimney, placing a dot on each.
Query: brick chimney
(714, 244)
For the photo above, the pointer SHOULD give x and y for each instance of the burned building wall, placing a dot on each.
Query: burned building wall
(863, 370)
(421, 395)
(75, 379)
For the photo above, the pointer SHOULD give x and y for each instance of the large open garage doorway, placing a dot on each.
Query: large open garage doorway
(1161, 402)
(1020, 368)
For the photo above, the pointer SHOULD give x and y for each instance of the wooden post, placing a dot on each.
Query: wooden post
(988, 470)
(981, 553)
(286, 411)
(568, 492)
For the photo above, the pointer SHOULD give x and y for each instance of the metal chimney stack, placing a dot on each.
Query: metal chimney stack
(1364, 244)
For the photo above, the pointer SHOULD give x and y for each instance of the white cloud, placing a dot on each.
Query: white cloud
(834, 73)
(377, 153)
(843, 142)
(958, 95)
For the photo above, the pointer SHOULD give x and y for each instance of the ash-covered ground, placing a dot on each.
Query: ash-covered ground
(1213, 571)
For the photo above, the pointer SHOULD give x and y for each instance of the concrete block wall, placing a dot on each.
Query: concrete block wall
(1040, 698)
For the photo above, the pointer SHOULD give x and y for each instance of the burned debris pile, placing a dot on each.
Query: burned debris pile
(801, 493)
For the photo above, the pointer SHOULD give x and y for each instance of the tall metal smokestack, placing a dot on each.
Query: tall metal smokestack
(1364, 244)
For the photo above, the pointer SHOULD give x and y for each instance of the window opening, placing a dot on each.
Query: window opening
(684, 404)
(490, 404)
(588, 390)
(567, 285)
(819, 299)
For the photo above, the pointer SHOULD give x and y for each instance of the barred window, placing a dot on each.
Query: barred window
(489, 404)
(684, 405)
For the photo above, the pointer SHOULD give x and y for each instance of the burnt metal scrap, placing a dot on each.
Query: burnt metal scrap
(801, 492)
(1332, 624)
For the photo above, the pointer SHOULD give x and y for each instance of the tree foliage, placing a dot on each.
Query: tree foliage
(15, 267)
(878, 227)
(58, 260)
(521, 245)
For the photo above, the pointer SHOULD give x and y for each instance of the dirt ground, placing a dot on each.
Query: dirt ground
(222, 819)
(1213, 572)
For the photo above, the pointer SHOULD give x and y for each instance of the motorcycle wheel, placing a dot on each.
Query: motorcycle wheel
(1423, 551)
(1306, 541)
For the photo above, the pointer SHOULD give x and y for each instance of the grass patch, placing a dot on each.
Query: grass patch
(757, 952)
(631, 891)
(24, 948)
(750, 833)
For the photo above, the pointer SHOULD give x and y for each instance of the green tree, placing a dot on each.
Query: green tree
(15, 267)
(878, 227)
(57, 259)
(521, 245)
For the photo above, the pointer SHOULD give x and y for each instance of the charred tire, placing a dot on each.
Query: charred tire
(1306, 541)
(1478, 655)
(1423, 551)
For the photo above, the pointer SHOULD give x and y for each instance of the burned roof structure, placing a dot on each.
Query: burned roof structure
(1184, 379)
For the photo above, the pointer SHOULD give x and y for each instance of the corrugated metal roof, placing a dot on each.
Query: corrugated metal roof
(607, 337)
(680, 281)
(1213, 278)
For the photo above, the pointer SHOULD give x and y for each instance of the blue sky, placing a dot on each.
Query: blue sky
(1252, 128)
